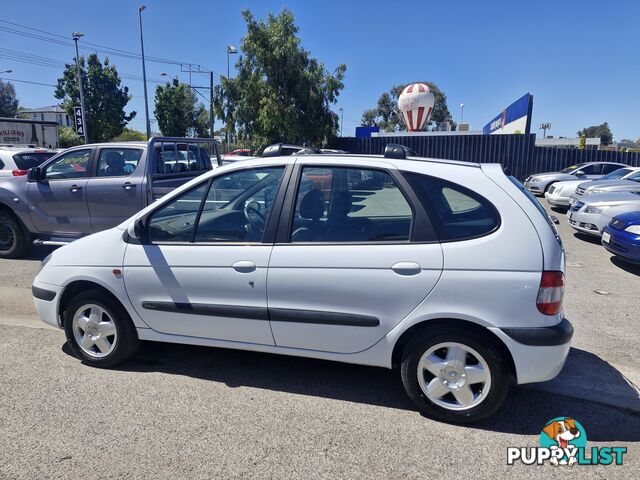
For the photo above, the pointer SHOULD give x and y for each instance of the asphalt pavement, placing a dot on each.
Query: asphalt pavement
(179, 411)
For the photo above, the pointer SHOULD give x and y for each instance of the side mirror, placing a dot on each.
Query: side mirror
(554, 219)
(579, 173)
(35, 174)
(136, 228)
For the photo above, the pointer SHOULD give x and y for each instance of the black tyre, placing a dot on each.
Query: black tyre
(13, 241)
(99, 329)
(453, 375)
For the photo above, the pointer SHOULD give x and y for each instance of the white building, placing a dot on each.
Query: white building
(53, 113)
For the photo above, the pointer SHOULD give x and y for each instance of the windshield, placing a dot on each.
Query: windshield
(621, 172)
(635, 177)
(572, 168)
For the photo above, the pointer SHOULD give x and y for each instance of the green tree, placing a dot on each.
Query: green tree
(129, 135)
(387, 116)
(583, 142)
(8, 100)
(67, 137)
(280, 93)
(178, 112)
(601, 131)
(104, 97)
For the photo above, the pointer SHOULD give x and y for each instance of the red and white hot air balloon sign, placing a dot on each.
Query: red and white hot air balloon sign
(416, 104)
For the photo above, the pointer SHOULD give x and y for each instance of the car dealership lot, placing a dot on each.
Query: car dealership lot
(178, 410)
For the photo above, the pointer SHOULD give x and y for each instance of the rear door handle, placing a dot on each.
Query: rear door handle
(244, 266)
(406, 268)
(128, 185)
(75, 188)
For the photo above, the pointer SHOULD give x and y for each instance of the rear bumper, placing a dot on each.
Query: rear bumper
(539, 353)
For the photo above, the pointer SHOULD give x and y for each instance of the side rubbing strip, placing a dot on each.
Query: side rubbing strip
(322, 318)
(233, 311)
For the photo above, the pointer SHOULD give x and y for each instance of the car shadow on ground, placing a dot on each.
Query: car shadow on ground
(525, 412)
(588, 238)
(626, 266)
(39, 252)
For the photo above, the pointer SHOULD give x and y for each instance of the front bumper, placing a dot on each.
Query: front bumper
(623, 244)
(589, 223)
(535, 186)
(47, 298)
(557, 200)
(539, 354)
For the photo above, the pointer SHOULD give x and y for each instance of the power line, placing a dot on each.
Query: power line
(28, 81)
(62, 40)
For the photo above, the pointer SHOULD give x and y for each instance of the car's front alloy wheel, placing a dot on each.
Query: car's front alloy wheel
(454, 375)
(99, 329)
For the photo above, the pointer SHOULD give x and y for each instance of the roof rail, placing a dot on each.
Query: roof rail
(281, 150)
(397, 151)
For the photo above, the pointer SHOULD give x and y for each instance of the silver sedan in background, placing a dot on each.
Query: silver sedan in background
(540, 182)
(628, 183)
(592, 213)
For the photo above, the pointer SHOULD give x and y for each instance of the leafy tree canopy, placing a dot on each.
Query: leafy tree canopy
(67, 137)
(178, 112)
(280, 93)
(104, 97)
(129, 135)
(8, 100)
(602, 131)
(387, 116)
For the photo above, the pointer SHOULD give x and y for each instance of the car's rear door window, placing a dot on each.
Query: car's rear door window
(457, 213)
(340, 204)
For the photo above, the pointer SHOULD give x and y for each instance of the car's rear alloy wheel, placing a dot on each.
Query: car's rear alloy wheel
(99, 329)
(454, 375)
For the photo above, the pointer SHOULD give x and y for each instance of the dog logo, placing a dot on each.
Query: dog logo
(563, 435)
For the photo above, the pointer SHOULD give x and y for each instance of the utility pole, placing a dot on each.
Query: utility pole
(462, 113)
(211, 104)
(76, 36)
(341, 119)
(144, 74)
(230, 50)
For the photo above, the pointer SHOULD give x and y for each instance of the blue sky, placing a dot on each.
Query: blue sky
(579, 60)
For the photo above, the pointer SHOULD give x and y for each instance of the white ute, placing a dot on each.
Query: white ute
(450, 271)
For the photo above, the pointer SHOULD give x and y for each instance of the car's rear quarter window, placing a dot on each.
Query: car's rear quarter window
(457, 213)
(25, 161)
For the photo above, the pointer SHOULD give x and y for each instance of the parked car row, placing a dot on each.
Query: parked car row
(603, 205)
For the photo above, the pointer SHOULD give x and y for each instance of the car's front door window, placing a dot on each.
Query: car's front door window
(236, 208)
(71, 165)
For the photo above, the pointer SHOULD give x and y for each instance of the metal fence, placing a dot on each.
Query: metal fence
(518, 153)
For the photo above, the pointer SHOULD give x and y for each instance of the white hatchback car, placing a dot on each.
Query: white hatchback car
(16, 161)
(451, 271)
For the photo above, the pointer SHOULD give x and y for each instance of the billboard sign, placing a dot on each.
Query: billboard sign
(516, 118)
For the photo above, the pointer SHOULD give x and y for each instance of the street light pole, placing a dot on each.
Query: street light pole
(76, 36)
(144, 73)
(462, 113)
(211, 126)
(341, 118)
(230, 50)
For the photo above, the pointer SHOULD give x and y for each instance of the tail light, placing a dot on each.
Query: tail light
(550, 294)
(18, 173)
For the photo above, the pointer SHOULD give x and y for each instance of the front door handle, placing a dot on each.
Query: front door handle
(244, 266)
(75, 188)
(406, 268)
(128, 185)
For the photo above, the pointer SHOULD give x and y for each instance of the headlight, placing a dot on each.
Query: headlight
(45, 261)
(595, 209)
(633, 229)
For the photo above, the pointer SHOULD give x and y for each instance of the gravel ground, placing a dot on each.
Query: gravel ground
(178, 411)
